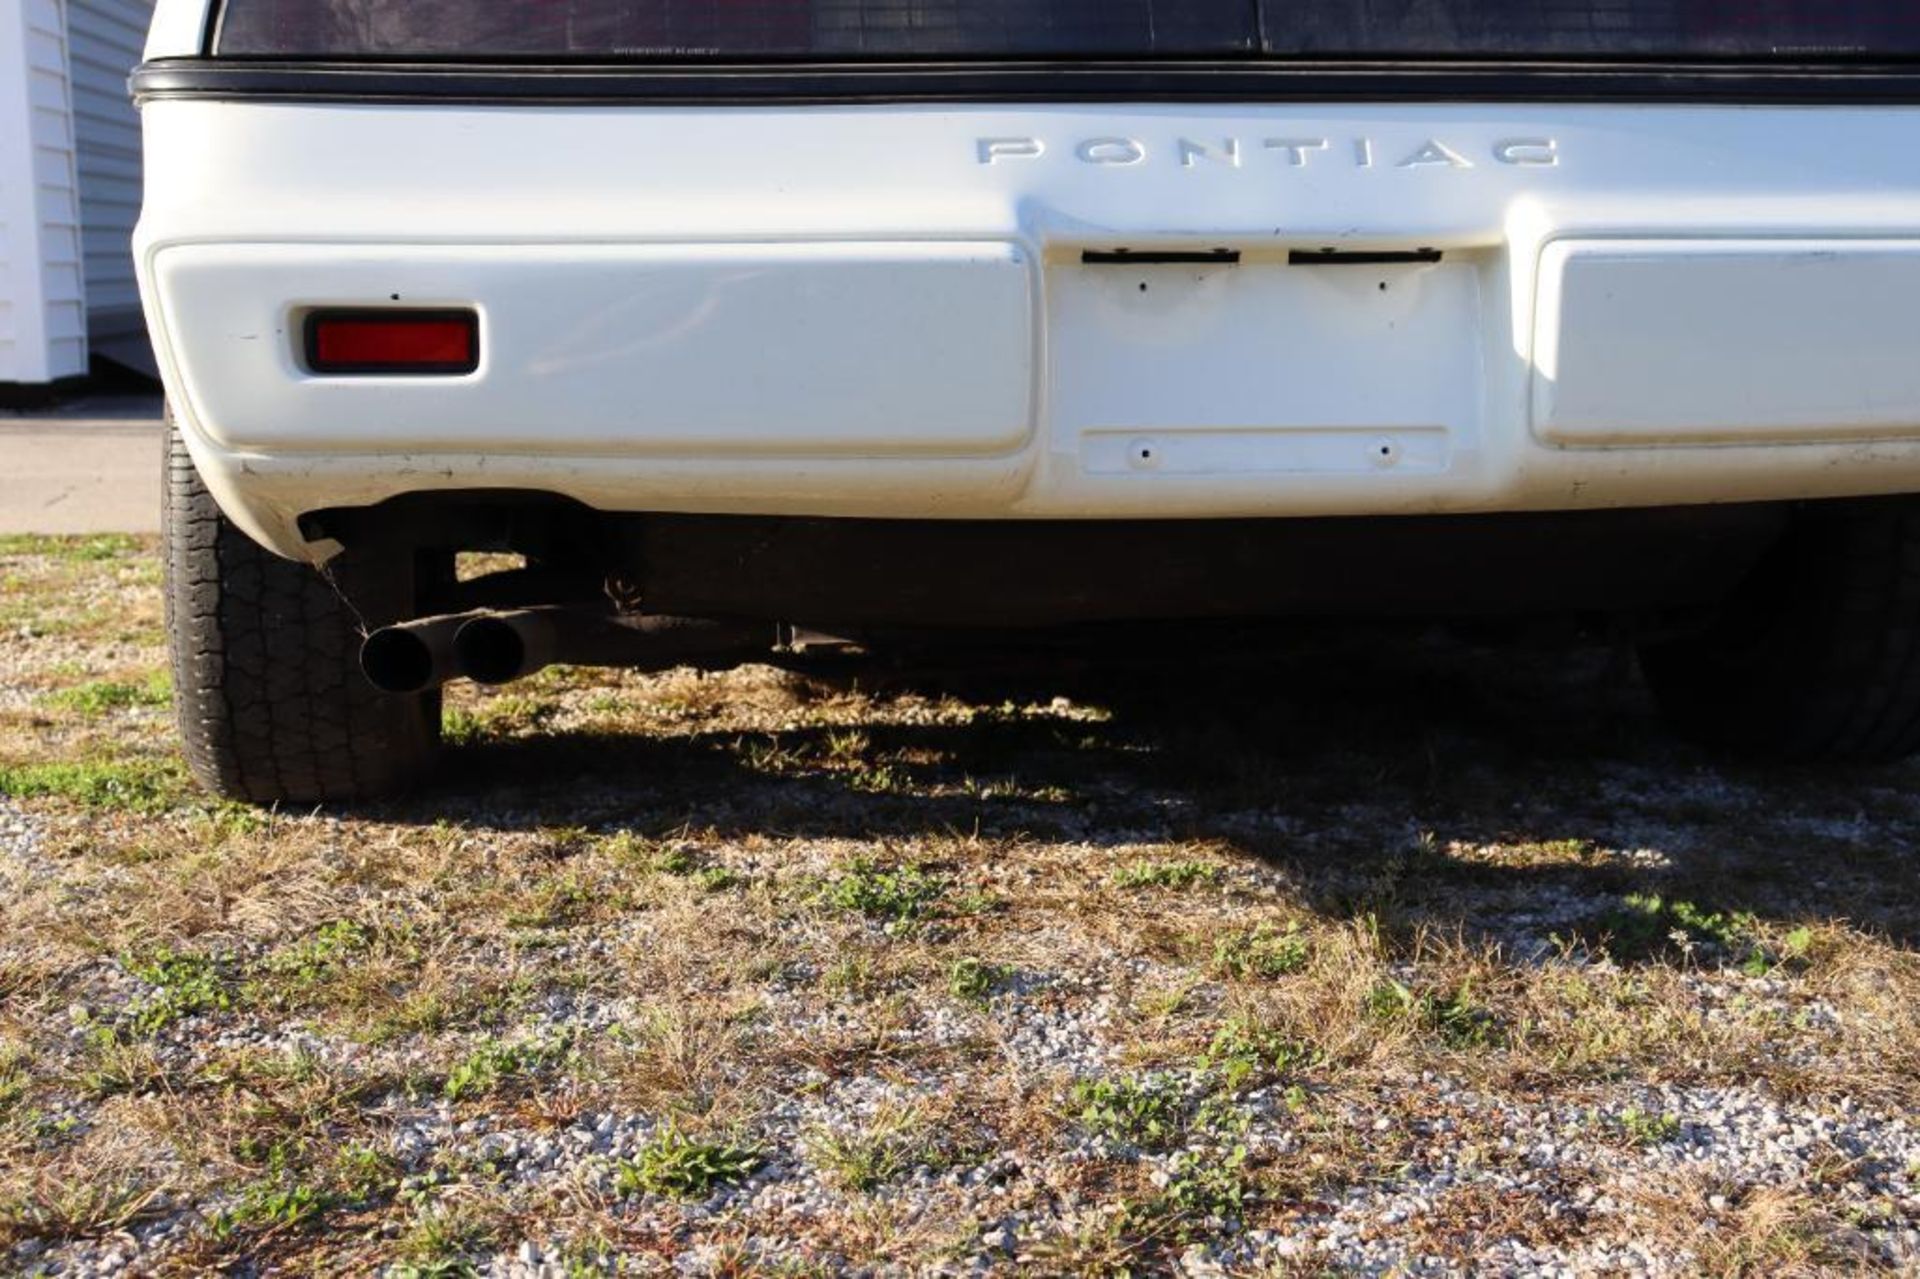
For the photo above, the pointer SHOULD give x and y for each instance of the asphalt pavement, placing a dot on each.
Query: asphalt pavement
(91, 465)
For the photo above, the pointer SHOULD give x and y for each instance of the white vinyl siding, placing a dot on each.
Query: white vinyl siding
(104, 38)
(43, 332)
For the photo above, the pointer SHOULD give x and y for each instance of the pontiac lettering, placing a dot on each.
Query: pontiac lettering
(1293, 152)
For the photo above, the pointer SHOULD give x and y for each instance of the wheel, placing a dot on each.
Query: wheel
(1817, 655)
(267, 687)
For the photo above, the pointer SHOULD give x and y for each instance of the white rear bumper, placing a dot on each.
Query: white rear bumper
(886, 312)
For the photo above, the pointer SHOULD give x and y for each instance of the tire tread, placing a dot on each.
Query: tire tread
(270, 703)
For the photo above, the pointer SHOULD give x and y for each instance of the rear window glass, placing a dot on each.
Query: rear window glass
(1589, 28)
(736, 28)
(714, 29)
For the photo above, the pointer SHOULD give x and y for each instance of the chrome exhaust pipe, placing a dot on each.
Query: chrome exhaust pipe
(411, 657)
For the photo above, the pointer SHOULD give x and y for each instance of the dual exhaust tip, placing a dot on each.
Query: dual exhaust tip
(488, 648)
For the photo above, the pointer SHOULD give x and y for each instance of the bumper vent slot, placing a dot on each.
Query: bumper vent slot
(1360, 257)
(1160, 257)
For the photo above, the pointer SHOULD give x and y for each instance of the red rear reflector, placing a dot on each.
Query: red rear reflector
(393, 341)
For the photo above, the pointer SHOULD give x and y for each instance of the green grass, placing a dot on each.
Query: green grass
(442, 1235)
(889, 1148)
(77, 1207)
(101, 697)
(678, 1166)
(137, 786)
(14, 1079)
(79, 550)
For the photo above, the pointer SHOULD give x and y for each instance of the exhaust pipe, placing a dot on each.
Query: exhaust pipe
(496, 648)
(411, 657)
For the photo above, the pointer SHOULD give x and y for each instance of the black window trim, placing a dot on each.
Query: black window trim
(1029, 80)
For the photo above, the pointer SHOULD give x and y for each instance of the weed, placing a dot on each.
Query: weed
(493, 1065)
(678, 859)
(364, 1174)
(974, 980)
(321, 953)
(898, 895)
(1181, 874)
(1262, 951)
(1243, 1052)
(1205, 1187)
(684, 1167)
(878, 779)
(1646, 926)
(268, 1207)
(1149, 1112)
(853, 975)
(552, 903)
(461, 727)
(182, 985)
(1461, 1022)
(228, 819)
(715, 879)
(1643, 1128)
(112, 1066)
(1455, 1017)
(437, 1268)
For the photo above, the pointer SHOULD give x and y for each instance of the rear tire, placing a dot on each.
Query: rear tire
(1817, 656)
(271, 704)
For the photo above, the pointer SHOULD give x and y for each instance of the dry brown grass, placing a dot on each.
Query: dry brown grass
(747, 903)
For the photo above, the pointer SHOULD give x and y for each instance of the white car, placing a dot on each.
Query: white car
(890, 316)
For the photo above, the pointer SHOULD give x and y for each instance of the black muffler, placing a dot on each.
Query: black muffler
(495, 648)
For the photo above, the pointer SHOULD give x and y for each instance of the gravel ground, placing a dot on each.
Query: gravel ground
(1403, 959)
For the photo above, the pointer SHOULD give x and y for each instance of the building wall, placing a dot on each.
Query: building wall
(103, 44)
(42, 295)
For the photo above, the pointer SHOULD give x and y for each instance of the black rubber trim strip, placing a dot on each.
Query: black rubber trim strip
(719, 84)
(1360, 257)
(1158, 257)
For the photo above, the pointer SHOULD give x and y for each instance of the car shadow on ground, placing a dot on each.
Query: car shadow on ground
(1435, 784)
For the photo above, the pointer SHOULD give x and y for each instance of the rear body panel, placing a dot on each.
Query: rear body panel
(888, 310)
